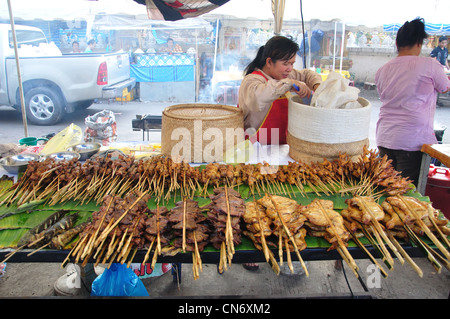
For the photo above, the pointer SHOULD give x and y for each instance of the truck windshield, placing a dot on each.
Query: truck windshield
(29, 37)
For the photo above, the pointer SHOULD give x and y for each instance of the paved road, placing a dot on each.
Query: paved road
(12, 129)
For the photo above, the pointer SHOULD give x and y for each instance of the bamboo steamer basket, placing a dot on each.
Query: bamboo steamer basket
(200, 133)
(315, 134)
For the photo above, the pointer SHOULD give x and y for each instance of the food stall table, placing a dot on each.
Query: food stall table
(317, 248)
(441, 152)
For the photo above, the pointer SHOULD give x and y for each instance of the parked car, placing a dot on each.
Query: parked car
(57, 84)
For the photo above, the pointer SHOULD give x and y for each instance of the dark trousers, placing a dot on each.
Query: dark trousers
(406, 162)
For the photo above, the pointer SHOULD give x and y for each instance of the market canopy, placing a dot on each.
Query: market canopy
(173, 10)
(430, 28)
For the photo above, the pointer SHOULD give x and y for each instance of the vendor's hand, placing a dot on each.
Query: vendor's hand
(303, 89)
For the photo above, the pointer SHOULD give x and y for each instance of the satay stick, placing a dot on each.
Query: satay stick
(132, 257)
(427, 230)
(222, 263)
(443, 237)
(371, 257)
(158, 238)
(229, 229)
(381, 245)
(94, 237)
(288, 253)
(183, 245)
(197, 253)
(280, 246)
(36, 250)
(349, 259)
(108, 230)
(438, 256)
(407, 257)
(381, 232)
(9, 255)
(263, 237)
(148, 252)
(290, 238)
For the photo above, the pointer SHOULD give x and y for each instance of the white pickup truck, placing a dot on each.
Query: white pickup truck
(54, 85)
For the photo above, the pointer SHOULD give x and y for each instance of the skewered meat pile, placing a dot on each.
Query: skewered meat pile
(189, 225)
(191, 230)
(419, 218)
(365, 215)
(324, 221)
(57, 182)
(224, 213)
(56, 231)
(116, 229)
(285, 212)
(278, 216)
(157, 225)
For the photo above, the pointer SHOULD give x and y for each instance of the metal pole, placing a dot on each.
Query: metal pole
(215, 58)
(342, 46)
(22, 100)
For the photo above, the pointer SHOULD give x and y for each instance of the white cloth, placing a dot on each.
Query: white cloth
(335, 93)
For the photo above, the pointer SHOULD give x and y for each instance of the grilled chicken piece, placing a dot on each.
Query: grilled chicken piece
(254, 223)
(315, 211)
(406, 204)
(364, 209)
(288, 209)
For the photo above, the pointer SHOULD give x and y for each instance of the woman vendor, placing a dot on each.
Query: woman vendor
(262, 92)
(408, 86)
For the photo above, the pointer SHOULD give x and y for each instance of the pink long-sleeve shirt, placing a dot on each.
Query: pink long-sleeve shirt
(408, 87)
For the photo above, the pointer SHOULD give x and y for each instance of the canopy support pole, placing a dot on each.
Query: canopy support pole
(22, 99)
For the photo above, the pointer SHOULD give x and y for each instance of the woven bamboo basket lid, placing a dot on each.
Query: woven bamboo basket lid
(200, 133)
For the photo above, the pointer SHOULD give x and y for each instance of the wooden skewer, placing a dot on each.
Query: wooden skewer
(108, 230)
(280, 247)
(9, 255)
(183, 245)
(40, 248)
(379, 231)
(349, 259)
(372, 258)
(288, 253)
(427, 231)
(438, 230)
(229, 228)
(407, 257)
(290, 238)
(148, 252)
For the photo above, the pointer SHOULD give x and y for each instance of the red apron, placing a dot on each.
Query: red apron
(276, 118)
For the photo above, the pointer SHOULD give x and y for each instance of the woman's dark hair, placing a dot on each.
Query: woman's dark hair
(411, 33)
(277, 48)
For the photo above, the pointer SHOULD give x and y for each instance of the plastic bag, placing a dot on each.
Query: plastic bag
(101, 128)
(118, 280)
(69, 136)
(335, 93)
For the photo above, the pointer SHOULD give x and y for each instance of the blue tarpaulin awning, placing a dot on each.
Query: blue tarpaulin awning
(430, 28)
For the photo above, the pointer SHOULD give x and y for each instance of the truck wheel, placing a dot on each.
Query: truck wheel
(44, 106)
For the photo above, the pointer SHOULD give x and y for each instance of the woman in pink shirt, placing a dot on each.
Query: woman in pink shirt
(408, 87)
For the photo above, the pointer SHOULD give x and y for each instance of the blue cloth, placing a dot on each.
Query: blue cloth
(162, 73)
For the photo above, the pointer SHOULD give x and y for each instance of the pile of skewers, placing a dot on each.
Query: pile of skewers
(396, 218)
(276, 216)
(115, 230)
(60, 181)
(225, 214)
(55, 232)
